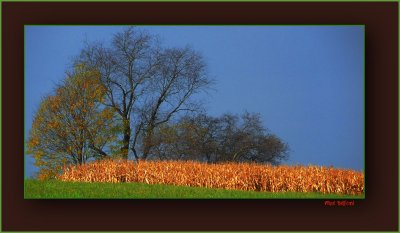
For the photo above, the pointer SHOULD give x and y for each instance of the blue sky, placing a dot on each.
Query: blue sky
(307, 82)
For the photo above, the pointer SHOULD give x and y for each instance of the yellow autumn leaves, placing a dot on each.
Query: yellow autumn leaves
(70, 120)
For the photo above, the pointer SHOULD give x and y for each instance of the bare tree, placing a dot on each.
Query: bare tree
(219, 139)
(180, 74)
(191, 138)
(146, 84)
(245, 138)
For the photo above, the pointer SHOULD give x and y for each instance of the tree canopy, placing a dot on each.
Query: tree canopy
(146, 84)
(71, 126)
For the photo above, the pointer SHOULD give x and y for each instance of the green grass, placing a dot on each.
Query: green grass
(35, 189)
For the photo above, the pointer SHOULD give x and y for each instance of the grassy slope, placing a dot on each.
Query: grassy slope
(58, 189)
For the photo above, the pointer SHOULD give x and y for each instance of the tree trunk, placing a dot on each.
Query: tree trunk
(135, 153)
(126, 140)
(209, 159)
(80, 158)
(146, 150)
(148, 143)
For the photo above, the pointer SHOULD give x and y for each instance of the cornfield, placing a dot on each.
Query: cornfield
(239, 176)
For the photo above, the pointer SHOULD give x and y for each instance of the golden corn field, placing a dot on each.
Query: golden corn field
(240, 176)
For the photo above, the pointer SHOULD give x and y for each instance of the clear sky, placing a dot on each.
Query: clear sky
(307, 82)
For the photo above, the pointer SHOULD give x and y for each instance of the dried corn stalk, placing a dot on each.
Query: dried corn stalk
(239, 176)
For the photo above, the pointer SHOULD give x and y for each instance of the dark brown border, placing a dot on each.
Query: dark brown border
(378, 212)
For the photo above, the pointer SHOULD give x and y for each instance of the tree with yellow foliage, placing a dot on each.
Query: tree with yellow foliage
(72, 125)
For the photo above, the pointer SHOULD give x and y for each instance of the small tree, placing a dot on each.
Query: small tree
(188, 139)
(244, 138)
(219, 139)
(71, 126)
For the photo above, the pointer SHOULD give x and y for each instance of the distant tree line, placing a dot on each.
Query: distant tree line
(134, 97)
(229, 138)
